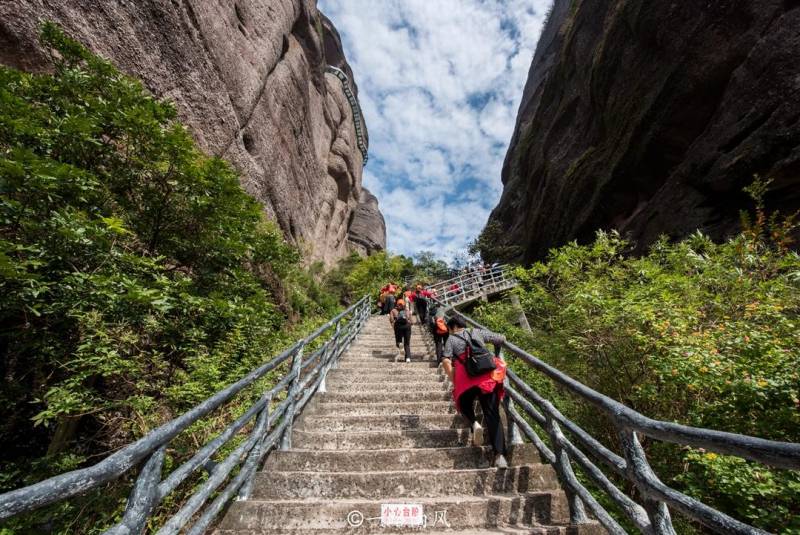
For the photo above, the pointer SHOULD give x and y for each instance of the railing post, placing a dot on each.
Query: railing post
(577, 514)
(294, 388)
(514, 437)
(324, 364)
(143, 497)
(261, 428)
(640, 473)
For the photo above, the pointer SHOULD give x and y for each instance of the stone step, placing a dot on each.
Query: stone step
(349, 375)
(548, 530)
(382, 386)
(372, 375)
(380, 409)
(396, 459)
(407, 383)
(389, 354)
(403, 484)
(460, 513)
(538, 530)
(420, 366)
(375, 440)
(383, 397)
(377, 422)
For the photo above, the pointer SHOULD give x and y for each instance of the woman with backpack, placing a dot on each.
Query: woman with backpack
(477, 373)
(400, 319)
(439, 331)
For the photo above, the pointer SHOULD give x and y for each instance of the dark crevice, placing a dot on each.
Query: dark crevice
(239, 16)
(789, 5)
(342, 184)
(249, 143)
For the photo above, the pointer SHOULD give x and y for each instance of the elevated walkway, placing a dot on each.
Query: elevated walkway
(473, 286)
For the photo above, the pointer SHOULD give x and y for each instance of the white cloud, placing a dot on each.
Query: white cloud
(439, 82)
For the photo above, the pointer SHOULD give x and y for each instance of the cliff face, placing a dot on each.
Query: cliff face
(368, 228)
(650, 118)
(249, 79)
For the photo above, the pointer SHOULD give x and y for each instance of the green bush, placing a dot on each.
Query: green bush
(138, 278)
(694, 332)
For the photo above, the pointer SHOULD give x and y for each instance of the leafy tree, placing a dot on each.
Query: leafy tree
(696, 332)
(429, 267)
(136, 276)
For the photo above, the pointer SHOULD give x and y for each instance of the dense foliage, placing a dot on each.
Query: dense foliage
(137, 276)
(355, 276)
(694, 332)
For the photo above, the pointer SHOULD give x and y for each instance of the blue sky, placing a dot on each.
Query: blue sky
(439, 83)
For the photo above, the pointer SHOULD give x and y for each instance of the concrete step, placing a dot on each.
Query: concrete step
(403, 484)
(373, 375)
(387, 366)
(388, 387)
(377, 422)
(585, 529)
(383, 397)
(376, 440)
(460, 512)
(355, 378)
(548, 530)
(381, 409)
(396, 459)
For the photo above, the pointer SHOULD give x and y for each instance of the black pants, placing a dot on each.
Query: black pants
(490, 403)
(422, 310)
(439, 340)
(403, 334)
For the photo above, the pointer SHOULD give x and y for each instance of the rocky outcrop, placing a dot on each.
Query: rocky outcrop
(368, 228)
(650, 118)
(248, 78)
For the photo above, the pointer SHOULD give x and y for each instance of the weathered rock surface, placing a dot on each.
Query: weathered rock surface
(248, 78)
(368, 228)
(650, 118)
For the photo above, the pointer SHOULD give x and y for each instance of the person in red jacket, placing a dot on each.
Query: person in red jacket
(486, 388)
(421, 299)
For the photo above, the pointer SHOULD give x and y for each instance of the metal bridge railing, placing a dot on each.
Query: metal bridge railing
(358, 116)
(272, 427)
(567, 442)
(473, 285)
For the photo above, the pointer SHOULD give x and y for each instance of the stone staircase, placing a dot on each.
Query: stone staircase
(386, 432)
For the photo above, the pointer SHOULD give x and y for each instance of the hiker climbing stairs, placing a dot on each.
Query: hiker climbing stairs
(386, 432)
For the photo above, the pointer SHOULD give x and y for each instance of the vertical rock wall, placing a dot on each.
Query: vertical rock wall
(650, 117)
(248, 78)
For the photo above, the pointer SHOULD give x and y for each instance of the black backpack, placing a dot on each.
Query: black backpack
(402, 318)
(478, 360)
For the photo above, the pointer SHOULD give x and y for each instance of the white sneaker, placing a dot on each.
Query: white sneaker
(408, 359)
(477, 434)
(500, 462)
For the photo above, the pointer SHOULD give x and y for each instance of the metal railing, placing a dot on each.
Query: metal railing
(358, 116)
(566, 438)
(473, 285)
(272, 427)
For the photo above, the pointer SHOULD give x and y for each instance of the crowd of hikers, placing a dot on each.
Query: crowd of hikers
(476, 373)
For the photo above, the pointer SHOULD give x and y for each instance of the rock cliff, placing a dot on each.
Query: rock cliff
(249, 79)
(650, 117)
